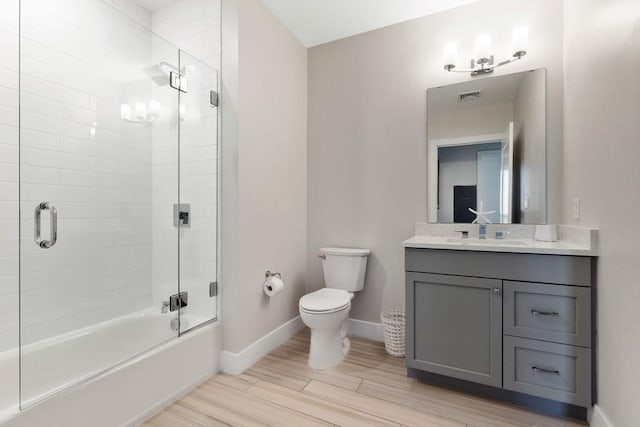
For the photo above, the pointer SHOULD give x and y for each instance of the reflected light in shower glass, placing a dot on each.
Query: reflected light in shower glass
(125, 111)
(141, 111)
(154, 108)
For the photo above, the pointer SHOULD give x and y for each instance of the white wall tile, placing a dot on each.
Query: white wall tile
(80, 61)
(8, 176)
(99, 181)
(185, 24)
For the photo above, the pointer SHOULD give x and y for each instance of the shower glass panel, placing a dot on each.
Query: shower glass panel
(198, 190)
(99, 176)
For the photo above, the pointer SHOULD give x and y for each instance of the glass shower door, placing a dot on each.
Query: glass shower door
(98, 179)
(198, 191)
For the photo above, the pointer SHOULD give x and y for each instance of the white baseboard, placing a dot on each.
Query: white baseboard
(237, 363)
(597, 418)
(362, 329)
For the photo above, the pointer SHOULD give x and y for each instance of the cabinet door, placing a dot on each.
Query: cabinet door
(454, 326)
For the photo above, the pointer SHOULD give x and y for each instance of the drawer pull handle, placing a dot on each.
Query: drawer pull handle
(545, 371)
(544, 313)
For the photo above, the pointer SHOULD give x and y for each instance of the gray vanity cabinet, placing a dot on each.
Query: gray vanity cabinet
(517, 327)
(467, 344)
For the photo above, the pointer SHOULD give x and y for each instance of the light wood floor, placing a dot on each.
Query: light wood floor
(369, 388)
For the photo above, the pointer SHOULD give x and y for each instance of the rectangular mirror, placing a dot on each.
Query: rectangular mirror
(486, 148)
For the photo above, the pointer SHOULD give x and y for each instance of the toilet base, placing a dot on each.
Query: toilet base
(328, 348)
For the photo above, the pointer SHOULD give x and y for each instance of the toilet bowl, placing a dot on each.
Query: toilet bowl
(326, 310)
(326, 316)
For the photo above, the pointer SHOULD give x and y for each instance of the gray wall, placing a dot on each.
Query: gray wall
(601, 168)
(367, 131)
(264, 171)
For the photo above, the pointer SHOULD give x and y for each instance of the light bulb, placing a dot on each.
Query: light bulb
(450, 55)
(483, 48)
(125, 111)
(154, 108)
(520, 42)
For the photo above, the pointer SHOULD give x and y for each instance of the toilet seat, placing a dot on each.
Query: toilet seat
(325, 300)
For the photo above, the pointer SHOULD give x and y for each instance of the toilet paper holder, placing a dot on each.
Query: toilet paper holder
(270, 274)
(272, 283)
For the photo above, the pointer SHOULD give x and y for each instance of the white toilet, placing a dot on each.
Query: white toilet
(326, 310)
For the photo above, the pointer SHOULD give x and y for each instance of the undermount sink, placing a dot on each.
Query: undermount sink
(487, 242)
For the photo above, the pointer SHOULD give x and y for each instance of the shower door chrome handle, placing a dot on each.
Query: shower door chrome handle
(45, 244)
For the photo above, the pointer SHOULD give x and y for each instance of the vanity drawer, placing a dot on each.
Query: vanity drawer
(554, 313)
(553, 371)
(560, 269)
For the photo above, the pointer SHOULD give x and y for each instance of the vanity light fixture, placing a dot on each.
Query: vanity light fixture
(483, 62)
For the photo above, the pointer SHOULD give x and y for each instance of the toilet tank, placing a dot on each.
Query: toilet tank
(344, 268)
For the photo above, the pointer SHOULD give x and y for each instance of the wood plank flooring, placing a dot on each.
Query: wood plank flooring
(369, 388)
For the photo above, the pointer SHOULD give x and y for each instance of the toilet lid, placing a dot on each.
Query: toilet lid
(325, 299)
(344, 251)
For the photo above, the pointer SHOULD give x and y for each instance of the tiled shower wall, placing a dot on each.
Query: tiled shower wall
(164, 183)
(9, 175)
(80, 61)
(194, 27)
(191, 25)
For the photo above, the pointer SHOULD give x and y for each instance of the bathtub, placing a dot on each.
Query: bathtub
(76, 367)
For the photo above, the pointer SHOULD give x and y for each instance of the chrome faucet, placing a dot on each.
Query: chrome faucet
(482, 232)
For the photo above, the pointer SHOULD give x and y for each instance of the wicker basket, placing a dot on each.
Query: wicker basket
(393, 325)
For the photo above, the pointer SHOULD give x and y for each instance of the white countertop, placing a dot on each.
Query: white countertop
(575, 241)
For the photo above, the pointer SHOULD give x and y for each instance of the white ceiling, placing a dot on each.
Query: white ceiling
(153, 5)
(315, 22)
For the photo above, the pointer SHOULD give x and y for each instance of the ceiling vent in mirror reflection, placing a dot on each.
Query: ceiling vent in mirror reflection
(473, 95)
